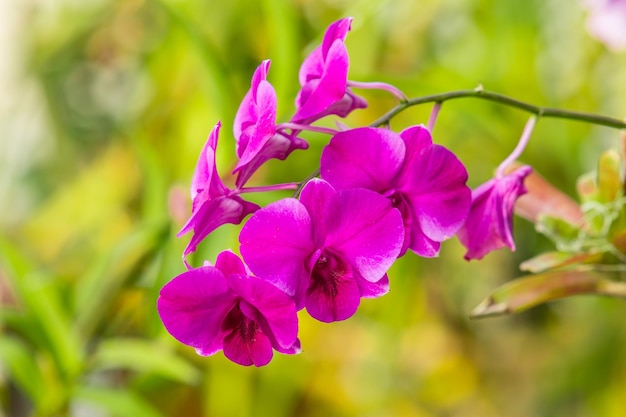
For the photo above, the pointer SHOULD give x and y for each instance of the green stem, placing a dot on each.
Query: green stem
(478, 92)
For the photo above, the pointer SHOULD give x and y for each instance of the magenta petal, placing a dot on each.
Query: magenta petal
(276, 308)
(259, 129)
(212, 214)
(192, 307)
(278, 146)
(434, 180)
(315, 196)
(244, 121)
(230, 264)
(373, 289)
(339, 303)
(247, 112)
(336, 31)
(275, 242)
(291, 350)
(312, 67)
(245, 344)
(422, 244)
(363, 157)
(490, 222)
(330, 88)
(346, 105)
(205, 176)
(255, 128)
(370, 237)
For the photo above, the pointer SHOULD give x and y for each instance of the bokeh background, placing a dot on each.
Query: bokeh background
(104, 108)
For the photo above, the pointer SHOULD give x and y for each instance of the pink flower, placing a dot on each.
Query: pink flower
(222, 307)
(214, 204)
(490, 222)
(327, 250)
(425, 181)
(324, 77)
(255, 128)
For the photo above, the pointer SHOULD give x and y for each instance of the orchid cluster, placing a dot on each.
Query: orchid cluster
(378, 194)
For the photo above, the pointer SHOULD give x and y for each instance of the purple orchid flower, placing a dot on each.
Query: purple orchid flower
(255, 128)
(223, 307)
(326, 250)
(426, 182)
(490, 222)
(214, 204)
(324, 78)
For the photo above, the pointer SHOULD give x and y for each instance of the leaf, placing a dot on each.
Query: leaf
(13, 262)
(144, 356)
(565, 235)
(530, 291)
(117, 403)
(42, 300)
(20, 364)
(46, 315)
(96, 290)
(551, 260)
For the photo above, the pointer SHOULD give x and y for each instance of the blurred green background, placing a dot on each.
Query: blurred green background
(104, 109)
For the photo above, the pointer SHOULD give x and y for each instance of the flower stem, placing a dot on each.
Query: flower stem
(433, 116)
(478, 92)
(380, 86)
(297, 126)
(521, 145)
(277, 187)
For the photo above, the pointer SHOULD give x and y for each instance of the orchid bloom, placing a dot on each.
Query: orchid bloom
(490, 223)
(324, 78)
(426, 182)
(214, 204)
(607, 22)
(326, 250)
(222, 307)
(255, 128)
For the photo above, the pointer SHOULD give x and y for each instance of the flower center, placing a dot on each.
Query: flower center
(327, 273)
(399, 201)
(237, 322)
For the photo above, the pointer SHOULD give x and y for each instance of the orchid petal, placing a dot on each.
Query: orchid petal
(437, 191)
(371, 237)
(333, 293)
(330, 88)
(205, 176)
(373, 289)
(275, 242)
(230, 264)
(275, 308)
(315, 196)
(363, 157)
(192, 307)
(490, 222)
(245, 344)
(212, 214)
(336, 31)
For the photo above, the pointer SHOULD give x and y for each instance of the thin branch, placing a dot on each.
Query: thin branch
(478, 92)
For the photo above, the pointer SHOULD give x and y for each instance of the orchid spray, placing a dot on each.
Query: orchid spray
(376, 196)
